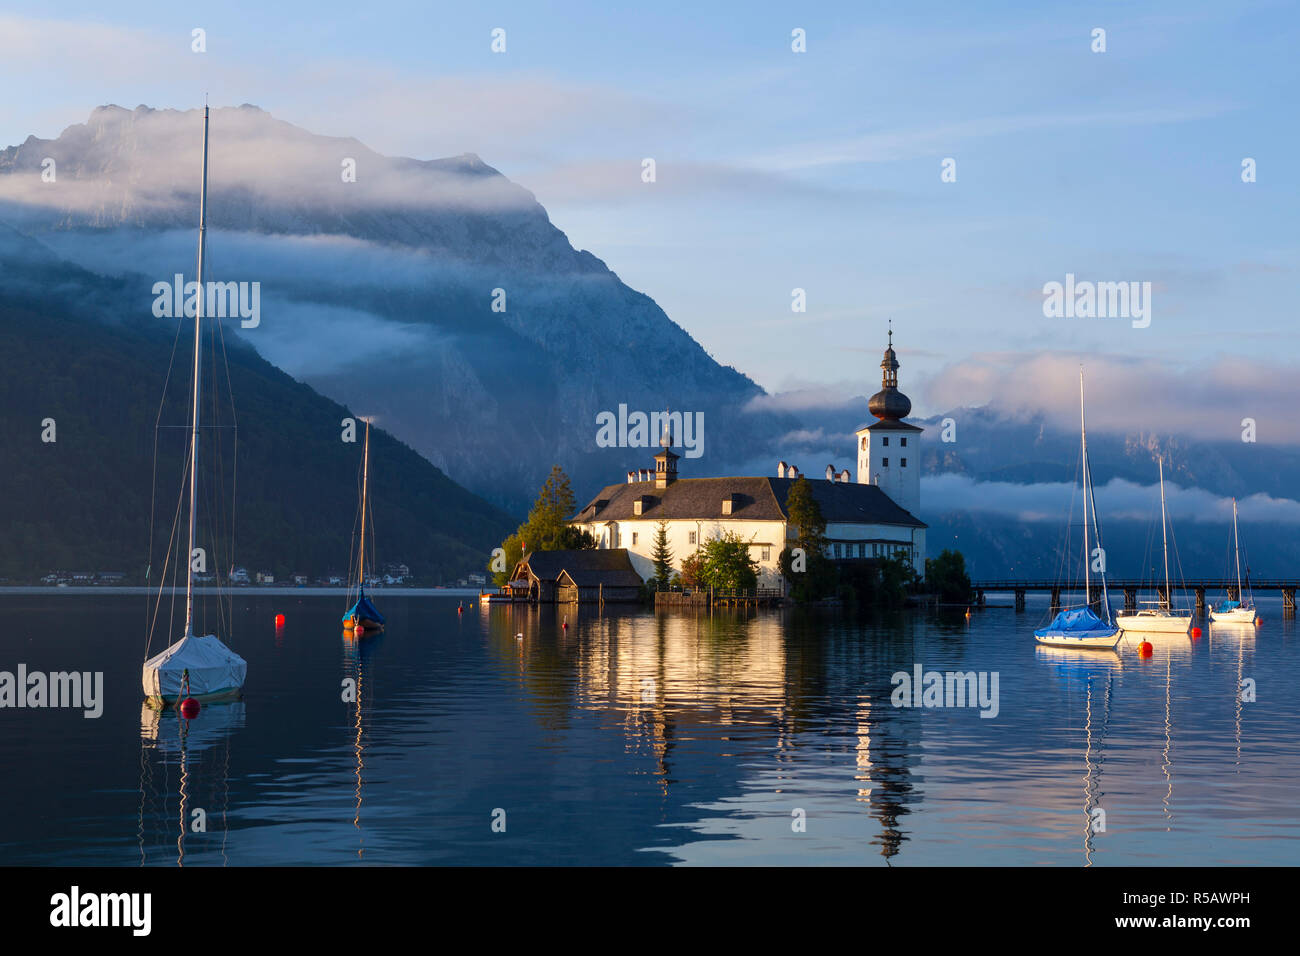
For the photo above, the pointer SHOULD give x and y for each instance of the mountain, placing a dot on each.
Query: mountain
(83, 501)
(435, 295)
(438, 297)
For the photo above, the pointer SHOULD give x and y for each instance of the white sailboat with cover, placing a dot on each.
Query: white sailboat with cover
(1240, 610)
(198, 666)
(1163, 618)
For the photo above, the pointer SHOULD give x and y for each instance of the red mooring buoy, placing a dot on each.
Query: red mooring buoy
(189, 708)
(279, 620)
(1259, 621)
(1196, 633)
(1144, 649)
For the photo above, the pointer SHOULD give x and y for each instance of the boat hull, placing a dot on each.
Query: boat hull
(1239, 615)
(1155, 623)
(216, 696)
(1100, 642)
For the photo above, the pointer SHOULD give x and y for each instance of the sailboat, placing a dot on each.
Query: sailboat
(1161, 619)
(363, 616)
(1239, 611)
(1081, 627)
(201, 667)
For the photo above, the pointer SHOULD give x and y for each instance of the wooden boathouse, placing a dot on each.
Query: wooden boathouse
(584, 576)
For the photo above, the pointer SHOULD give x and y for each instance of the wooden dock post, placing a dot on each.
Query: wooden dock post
(1200, 600)
(1130, 599)
(1020, 599)
(1288, 602)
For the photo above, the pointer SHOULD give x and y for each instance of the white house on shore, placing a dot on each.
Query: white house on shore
(872, 517)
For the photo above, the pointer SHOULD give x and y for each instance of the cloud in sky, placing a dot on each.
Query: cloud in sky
(1127, 394)
(1116, 500)
(892, 145)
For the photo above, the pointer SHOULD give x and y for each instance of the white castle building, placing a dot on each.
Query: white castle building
(872, 517)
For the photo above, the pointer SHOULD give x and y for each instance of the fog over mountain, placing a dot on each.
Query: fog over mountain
(379, 293)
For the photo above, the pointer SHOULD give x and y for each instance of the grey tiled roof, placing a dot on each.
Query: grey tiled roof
(755, 499)
(609, 566)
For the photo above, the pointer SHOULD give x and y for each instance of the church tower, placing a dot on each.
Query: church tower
(889, 449)
(666, 460)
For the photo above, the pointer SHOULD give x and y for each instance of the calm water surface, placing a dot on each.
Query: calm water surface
(636, 738)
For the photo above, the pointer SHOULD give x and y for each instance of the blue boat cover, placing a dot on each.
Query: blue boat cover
(1228, 606)
(364, 610)
(1078, 622)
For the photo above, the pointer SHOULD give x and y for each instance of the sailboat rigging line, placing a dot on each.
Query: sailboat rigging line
(153, 481)
(234, 482)
(172, 543)
(217, 492)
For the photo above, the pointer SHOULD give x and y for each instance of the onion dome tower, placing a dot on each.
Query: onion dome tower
(888, 451)
(889, 404)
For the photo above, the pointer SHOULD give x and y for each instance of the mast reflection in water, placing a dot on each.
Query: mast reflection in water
(499, 736)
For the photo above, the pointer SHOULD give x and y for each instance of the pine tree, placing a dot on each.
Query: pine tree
(546, 528)
(811, 574)
(662, 556)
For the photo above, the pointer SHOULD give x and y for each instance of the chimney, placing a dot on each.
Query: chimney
(631, 477)
(780, 469)
(728, 503)
(830, 472)
(844, 476)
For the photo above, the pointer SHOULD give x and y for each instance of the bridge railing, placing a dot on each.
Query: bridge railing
(1209, 584)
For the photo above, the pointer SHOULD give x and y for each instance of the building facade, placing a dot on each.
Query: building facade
(874, 517)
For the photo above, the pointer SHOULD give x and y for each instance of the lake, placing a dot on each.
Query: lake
(765, 737)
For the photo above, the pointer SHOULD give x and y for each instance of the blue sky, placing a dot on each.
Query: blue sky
(818, 170)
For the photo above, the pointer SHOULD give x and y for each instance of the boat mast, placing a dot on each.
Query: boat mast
(365, 481)
(1164, 540)
(198, 371)
(1236, 550)
(1087, 556)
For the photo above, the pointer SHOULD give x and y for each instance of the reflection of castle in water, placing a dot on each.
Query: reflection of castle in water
(727, 683)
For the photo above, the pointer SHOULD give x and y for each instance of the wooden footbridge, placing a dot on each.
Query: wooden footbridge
(1131, 589)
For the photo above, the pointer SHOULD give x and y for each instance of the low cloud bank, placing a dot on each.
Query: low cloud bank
(1116, 500)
